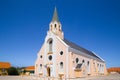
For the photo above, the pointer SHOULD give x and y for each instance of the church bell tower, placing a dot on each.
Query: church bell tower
(55, 25)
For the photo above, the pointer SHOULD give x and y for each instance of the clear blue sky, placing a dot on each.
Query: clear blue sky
(92, 24)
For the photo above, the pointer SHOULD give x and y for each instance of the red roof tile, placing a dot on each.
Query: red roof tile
(114, 69)
(30, 68)
(5, 65)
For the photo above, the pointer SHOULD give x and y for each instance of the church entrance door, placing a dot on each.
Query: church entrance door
(48, 71)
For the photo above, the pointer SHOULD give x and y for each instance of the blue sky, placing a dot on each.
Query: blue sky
(92, 24)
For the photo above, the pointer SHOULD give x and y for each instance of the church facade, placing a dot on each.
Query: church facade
(59, 57)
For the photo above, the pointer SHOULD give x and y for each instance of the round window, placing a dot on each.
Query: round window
(40, 65)
(50, 57)
(61, 53)
(77, 60)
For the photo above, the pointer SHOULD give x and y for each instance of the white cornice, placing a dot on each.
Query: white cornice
(97, 55)
(62, 41)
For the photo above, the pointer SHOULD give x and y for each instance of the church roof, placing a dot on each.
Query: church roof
(79, 48)
(55, 16)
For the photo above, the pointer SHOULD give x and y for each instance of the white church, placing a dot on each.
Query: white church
(61, 58)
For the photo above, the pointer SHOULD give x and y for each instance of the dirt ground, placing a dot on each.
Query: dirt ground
(108, 77)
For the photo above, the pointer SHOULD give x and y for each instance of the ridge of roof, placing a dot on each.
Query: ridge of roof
(79, 48)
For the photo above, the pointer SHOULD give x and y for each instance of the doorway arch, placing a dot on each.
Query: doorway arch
(48, 71)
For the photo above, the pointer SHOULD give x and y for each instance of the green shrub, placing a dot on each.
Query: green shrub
(13, 71)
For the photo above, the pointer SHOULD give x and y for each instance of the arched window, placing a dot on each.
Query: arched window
(83, 61)
(40, 66)
(94, 67)
(88, 66)
(50, 46)
(59, 28)
(100, 67)
(77, 60)
(55, 26)
(61, 65)
(88, 63)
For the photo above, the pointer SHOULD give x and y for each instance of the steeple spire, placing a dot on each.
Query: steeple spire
(55, 16)
(55, 26)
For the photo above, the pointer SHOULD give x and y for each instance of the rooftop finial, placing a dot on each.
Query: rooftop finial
(55, 16)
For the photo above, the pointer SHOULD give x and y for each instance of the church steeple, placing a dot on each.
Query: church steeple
(55, 25)
(55, 16)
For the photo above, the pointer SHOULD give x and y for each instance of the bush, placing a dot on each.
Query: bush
(13, 71)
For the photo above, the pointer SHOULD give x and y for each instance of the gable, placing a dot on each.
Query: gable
(41, 49)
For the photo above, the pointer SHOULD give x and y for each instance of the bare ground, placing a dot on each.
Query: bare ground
(108, 77)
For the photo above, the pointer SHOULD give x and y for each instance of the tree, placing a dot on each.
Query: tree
(13, 71)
